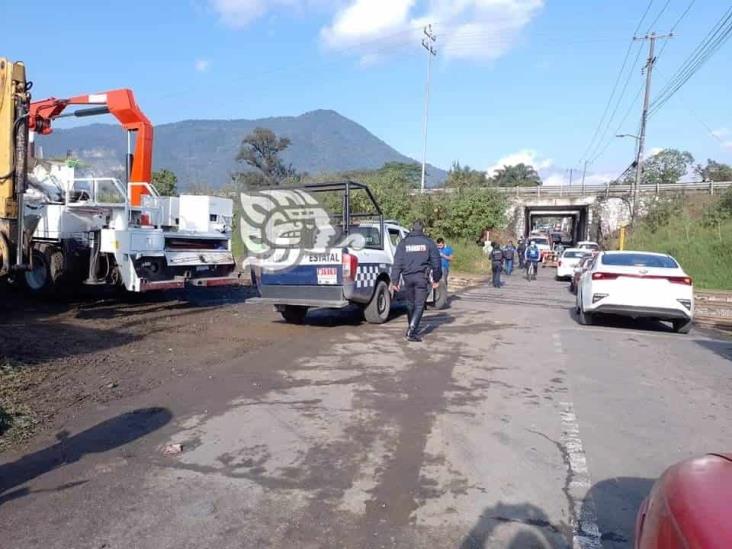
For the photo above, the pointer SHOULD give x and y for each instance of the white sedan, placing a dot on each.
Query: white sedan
(569, 259)
(638, 285)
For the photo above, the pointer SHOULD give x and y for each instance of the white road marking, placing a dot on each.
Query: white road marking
(586, 533)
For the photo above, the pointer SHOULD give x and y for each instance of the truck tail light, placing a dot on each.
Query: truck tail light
(350, 266)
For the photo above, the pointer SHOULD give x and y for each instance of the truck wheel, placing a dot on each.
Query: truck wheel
(377, 311)
(38, 280)
(682, 326)
(440, 295)
(294, 314)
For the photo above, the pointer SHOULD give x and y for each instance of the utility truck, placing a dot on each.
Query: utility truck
(352, 268)
(57, 230)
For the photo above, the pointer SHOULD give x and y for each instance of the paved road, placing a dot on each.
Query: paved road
(510, 426)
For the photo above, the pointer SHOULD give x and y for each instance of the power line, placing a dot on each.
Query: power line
(658, 16)
(615, 86)
(611, 138)
(709, 45)
(676, 24)
(610, 120)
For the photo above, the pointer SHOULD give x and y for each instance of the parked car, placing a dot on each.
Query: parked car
(569, 259)
(580, 268)
(588, 245)
(637, 285)
(688, 506)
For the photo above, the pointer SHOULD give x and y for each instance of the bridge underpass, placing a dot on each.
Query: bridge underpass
(578, 213)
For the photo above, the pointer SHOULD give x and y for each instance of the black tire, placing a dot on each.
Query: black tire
(682, 326)
(572, 288)
(38, 281)
(294, 314)
(440, 296)
(377, 311)
(586, 319)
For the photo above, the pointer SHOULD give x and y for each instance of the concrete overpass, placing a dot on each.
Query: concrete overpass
(599, 210)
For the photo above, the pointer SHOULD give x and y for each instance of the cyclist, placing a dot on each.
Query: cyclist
(532, 257)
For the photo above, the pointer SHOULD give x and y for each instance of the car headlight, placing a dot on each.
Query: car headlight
(598, 297)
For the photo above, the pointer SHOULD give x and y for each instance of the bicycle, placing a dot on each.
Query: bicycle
(531, 271)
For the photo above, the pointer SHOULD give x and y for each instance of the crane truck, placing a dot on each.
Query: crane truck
(14, 106)
(97, 230)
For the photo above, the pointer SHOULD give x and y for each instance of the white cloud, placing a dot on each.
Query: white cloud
(239, 13)
(727, 145)
(551, 174)
(525, 156)
(202, 65)
(653, 151)
(468, 29)
(721, 133)
(472, 29)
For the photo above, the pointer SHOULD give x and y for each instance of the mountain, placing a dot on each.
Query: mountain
(203, 151)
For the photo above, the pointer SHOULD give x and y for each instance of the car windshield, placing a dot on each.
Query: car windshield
(639, 260)
(574, 253)
(540, 241)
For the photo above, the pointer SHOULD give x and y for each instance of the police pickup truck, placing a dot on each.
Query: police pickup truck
(354, 269)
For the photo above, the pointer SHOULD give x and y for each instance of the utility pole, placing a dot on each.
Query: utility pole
(584, 173)
(427, 44)
(571, 173)
(644, 116)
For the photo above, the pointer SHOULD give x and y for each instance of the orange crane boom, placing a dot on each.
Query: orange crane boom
(120, 104)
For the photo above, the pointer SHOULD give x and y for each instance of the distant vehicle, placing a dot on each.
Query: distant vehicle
(637, 285)
(569, 259)
(589, 245)
(688, 506)
(580, 268)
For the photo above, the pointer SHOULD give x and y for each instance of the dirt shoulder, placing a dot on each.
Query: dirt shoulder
(58, 356)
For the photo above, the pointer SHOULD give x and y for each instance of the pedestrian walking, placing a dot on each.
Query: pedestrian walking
(509, 252)
(496, 257)
(415, 258)
(446, 258)
(521, 250)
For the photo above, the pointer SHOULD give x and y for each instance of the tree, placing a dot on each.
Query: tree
(466, 212)
(464, 176)
(667, 166)
(518, 175)
(714, 171)
(165, 181)
(260, 150)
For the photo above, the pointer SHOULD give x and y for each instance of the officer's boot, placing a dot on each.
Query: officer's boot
(410, 314)
(413, 331)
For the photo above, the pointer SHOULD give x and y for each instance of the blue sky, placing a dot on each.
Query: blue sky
(513, 79)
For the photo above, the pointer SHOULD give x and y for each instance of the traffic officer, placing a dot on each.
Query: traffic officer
(416, 256)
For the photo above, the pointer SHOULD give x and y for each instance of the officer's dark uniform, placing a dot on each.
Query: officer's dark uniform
(416, 255)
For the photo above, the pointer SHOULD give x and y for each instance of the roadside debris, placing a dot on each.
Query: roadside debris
(172, 449)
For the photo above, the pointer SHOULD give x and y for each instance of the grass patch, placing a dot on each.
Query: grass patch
(17, 420)
(468, 257)
(705, 252)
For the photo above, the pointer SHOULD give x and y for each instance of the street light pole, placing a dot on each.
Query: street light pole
(427, 42)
